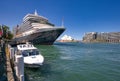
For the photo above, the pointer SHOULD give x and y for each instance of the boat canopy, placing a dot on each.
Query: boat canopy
(25, 47)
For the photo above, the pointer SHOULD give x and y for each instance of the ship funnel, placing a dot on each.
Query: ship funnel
(36, 12)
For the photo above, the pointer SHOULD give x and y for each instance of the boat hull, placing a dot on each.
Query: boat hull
(42, 37)
(32, 65)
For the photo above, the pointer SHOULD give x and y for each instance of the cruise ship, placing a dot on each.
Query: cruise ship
(37, 30)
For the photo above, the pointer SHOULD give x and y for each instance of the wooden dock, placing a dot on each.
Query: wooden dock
(10, 74)
(11, 64)
(6, 69)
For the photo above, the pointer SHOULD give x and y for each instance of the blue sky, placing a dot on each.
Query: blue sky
(79, 16)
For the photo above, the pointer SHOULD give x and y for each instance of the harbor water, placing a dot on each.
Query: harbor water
(77, 62)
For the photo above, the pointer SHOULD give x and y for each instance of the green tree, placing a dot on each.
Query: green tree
(7, 34)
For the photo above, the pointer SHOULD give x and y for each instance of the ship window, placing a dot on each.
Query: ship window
(25, 53)
(33, 52)
(24, 46)
(31, 45)
(30, 52)
(20, 46)
(28, 45)
(36, 52)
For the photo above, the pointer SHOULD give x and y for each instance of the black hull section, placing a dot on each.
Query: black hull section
(42, 37)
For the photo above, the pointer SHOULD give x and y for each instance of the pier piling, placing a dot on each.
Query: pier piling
(19, 67)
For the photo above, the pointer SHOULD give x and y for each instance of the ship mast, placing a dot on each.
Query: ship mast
(62, 22)
(36, 12)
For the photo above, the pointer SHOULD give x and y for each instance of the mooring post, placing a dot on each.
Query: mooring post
(12, 53)
(20, 67)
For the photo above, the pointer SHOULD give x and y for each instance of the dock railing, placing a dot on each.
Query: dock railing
(17, 62)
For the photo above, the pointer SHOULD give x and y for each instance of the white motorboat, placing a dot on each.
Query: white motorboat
(32, 56)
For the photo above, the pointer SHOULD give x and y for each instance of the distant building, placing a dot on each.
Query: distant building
(66, 38)
(89, 36)
(113, 37)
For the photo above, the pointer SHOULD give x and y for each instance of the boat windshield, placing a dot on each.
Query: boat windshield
(31, 52)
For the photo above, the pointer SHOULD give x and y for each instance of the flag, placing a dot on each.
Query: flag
(1, 31)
